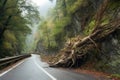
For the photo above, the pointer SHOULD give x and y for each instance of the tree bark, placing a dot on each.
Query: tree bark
(82, 47)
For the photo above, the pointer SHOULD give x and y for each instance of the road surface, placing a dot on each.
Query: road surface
(34, 69)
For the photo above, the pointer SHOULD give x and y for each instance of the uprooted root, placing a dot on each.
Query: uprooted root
(81, 48)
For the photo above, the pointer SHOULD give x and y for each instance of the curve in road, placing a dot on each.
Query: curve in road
(34, 69)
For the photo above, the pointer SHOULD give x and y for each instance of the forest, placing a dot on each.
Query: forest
(16, 16)
(74, 33)
(82, 32)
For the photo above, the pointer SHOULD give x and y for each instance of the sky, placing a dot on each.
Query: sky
(44, 6)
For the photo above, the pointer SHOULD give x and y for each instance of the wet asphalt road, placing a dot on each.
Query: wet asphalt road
(34, 69)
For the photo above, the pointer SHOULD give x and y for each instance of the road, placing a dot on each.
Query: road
(34, 69)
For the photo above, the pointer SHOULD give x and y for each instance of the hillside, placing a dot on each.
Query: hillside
(92, 30)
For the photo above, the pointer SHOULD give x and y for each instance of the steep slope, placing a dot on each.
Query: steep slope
(99, 20)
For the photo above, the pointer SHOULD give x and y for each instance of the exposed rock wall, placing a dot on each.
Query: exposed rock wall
(111, 53)
(82, 16)
(109, 59)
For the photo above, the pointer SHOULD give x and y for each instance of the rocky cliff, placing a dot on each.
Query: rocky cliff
(99, 22)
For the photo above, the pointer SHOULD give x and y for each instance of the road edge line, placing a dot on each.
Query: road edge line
(11, 68)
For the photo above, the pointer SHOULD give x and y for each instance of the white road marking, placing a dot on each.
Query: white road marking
(11, 68)
(44, 70)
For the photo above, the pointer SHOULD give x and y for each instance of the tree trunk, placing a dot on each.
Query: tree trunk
(81, 48)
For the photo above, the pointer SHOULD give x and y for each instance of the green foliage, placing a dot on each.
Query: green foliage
(105, 21)
(7, 45)
(15, 18)
(9, 36)
(115, 75)
(73, 7)
(52, 29)
(90, 27)
(52, 32)
(59, 25)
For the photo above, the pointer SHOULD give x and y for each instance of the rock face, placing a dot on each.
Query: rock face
(109, 59)
(82, 16)
(111, 49)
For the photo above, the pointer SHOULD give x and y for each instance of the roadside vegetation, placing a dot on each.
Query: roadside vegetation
(15, 20)
(75, 34)
(80, 33)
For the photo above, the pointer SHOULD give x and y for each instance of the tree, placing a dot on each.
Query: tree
(15, 18)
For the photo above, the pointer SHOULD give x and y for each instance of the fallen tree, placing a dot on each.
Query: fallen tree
(78, 49)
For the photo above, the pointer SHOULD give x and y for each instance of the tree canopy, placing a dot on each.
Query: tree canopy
(15, 19)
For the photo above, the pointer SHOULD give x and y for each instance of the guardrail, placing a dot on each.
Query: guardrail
(6, 61)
